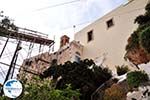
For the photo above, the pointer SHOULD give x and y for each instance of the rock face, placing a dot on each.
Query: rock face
(137, 56)
(138, 47)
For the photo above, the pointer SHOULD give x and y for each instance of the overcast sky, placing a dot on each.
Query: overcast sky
(41, 15)
(57, 20)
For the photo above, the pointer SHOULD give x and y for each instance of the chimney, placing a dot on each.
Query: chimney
(64, 40)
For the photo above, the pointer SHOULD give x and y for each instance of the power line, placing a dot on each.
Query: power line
(79, 24)
(91, 21)
(56, 5)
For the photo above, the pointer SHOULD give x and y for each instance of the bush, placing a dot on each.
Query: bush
(122, 69)
(145, 39)
(135, 78)
(133, 41)
(43, 90)
(80, 75)
(147, 8)
(115, 92)
(4, 98)
(140, 39)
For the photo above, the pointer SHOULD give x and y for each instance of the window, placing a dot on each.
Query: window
(90, 35)
(110, 23)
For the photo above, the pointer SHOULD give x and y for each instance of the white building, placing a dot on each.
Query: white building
(108, 35)
(104, 41)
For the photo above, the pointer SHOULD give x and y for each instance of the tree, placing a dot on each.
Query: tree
(115, 92)
(39, 89)
(145, 39)
(85, 76)
(42, 90)
(136, 78)
(122, 69)
(6, 23)
(138, 47)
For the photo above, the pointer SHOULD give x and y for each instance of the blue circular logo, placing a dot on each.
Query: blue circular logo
(12, 88)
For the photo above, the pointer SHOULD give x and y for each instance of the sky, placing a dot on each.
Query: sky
(57, 20)
(54, 19)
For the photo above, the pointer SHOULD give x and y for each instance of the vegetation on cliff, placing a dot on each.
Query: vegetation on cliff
(138, 47)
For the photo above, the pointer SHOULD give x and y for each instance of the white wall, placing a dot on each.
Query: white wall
(111, 41)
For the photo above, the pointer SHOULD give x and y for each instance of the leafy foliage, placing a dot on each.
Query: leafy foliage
(133, 41)
(142, 19)
(85, 76)
(115, 92)
(140, 39)
(145, 39)
(122, 69)
(135, 78)
(43, 90)
(7, 24)
(4, 98)
(147, 8)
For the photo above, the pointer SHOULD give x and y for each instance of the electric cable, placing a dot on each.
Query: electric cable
(56, 5)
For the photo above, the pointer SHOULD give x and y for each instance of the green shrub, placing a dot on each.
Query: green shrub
(80, 76)
(122, 69)
(147, 8)
(39, 89)
(115, 92)
(135, 78)
(4, 98)
(145, 39)
(140, 39)
(133, 41)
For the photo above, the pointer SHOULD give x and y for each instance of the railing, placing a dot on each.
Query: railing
(26, 35)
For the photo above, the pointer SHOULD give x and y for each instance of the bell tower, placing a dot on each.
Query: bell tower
(64, 40)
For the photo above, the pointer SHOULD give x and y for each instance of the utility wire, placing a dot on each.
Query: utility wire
(114, 15)
(56, 5)
(123, 13)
